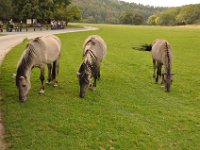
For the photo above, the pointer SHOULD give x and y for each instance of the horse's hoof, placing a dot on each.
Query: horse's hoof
(41, 92)
(55, 85)
(48, 82)
(93, 88)
(162, 86)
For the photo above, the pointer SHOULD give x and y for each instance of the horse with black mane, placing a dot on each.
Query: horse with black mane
(94, 50)
(161, 52)
(39, 51)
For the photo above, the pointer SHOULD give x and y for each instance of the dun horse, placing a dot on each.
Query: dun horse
(94, 50)
(39, 51)
(162, 55)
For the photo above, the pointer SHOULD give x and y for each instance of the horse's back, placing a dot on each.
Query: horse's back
(52, 43)
(96, 44)
(159, 48)
(48, 48)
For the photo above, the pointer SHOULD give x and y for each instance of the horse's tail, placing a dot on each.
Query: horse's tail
(145, 47)
(168, 68)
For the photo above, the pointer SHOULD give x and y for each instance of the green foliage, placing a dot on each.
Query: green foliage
(67, 13)
(5, 9)
(43, 10)
(112, 11)
(132, 18)
(127, 111)
(152, 20)
(188, 14)
(168, 16)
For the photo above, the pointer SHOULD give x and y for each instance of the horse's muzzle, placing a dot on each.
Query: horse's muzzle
(22, 99)
(82, 95)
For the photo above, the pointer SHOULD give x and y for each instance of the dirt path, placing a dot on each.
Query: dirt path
(11, 40)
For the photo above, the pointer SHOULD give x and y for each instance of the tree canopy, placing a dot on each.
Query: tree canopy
(98, 11)
(43, 10)
(188, 14)
(5, 9)
(114, 11)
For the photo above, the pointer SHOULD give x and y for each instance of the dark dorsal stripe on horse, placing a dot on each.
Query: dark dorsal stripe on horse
(169, 60)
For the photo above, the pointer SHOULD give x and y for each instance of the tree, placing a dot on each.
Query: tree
(113, 11)
(188, 14)
(67, 13)
(25, 9)
(152, 20)
(168, 17)
(46, 8)
(36, 9)
(132, 18)
(5, 9)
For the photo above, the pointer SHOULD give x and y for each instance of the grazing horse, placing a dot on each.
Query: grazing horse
(39, 51)
(162, 55)
(94, 50)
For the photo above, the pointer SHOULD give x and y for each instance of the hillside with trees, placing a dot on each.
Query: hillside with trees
(115, 11)
(189, 14)
(98, 11)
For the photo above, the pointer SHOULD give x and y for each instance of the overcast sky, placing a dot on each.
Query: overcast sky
(164, 2)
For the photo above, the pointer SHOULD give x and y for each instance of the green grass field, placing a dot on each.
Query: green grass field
(127, 111)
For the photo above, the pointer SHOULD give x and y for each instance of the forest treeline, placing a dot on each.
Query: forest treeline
(98, 11)
(42, 10)
(189, 14)
(116, 11)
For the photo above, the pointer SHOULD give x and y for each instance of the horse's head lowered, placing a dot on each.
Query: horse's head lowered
(84, 76)
(22, 81)
(23, 85)
(167, 79)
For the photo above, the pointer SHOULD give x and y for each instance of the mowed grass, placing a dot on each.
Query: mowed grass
(127, 111)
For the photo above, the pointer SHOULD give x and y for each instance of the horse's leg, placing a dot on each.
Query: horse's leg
(154, 69)
(49, 73)
(98, 73)
(162, 81)
(42, 79)
(162, 76)
(158, 71)
(55, 72)
(95, 83)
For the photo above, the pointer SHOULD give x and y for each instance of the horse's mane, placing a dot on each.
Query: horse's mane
(37, 39)
(25, 62)
(92, 41)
